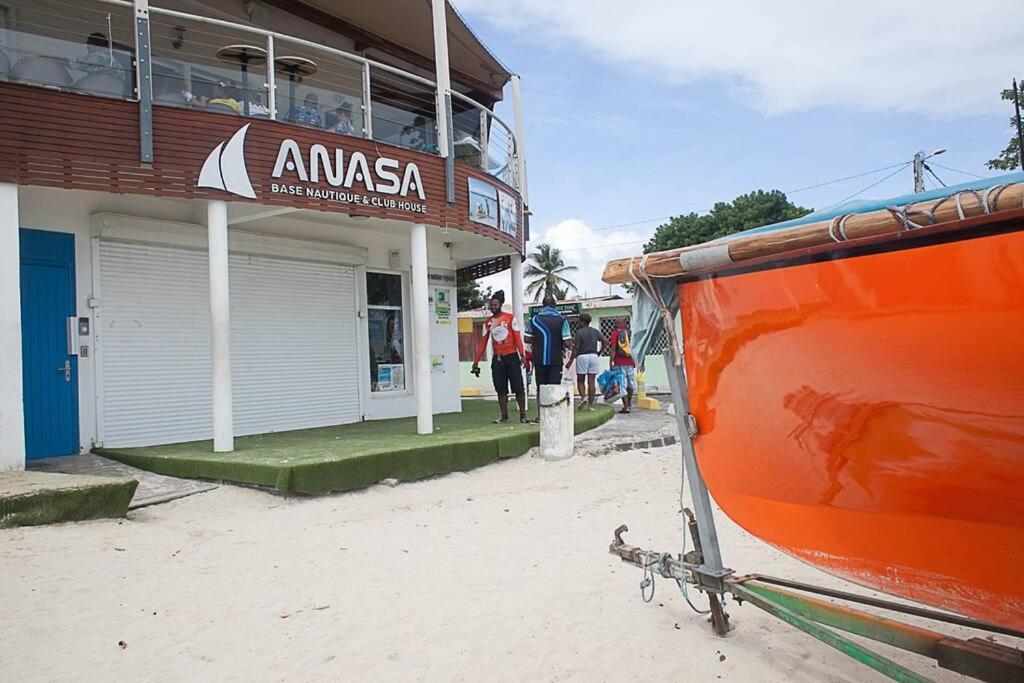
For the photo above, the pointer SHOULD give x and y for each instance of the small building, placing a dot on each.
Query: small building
(242, 218)
(604, 312)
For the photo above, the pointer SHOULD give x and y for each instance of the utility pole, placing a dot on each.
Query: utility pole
(920, 166)
(1020, 130)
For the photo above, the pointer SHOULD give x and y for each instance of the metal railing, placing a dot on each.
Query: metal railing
(240, 70)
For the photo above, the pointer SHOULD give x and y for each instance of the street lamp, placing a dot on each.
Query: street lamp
(920, 166)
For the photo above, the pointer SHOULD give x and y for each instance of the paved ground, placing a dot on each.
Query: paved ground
(639, 429)
(153, 488)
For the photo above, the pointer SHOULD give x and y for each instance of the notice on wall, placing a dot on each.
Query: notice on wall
(437, 364)
(442, 307)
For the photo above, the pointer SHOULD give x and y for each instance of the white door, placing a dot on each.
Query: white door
(294, 360)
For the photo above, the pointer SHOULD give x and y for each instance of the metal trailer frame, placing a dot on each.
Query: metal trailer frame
(789, 600)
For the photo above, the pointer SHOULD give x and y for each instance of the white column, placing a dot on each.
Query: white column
(12, 409)
(517, 110)
(220, 327)
(443, 78)
(421, 329)
(517, 296)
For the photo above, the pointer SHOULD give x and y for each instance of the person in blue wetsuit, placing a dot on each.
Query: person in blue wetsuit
(549, 339)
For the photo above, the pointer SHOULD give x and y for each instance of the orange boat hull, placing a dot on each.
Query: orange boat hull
(866, 414)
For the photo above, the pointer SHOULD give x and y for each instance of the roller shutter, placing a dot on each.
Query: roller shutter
(293, 355)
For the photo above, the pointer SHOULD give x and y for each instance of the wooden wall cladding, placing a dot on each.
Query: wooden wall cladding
(70, 140)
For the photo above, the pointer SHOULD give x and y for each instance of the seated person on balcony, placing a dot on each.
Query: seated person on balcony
(307, 114)
(98, 58)
(414, 136)
(224, 95)
(256, 107)
(340, 120)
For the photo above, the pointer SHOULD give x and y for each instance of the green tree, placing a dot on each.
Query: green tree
(747, 211)
(1009, 158)
(469, 295)
(546, 271)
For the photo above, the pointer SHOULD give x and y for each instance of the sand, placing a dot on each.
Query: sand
(499, 574)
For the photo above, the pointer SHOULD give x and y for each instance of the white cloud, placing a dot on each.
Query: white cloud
(586, 249)
(942, 57)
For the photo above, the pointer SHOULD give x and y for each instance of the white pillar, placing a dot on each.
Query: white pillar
(517, 297)
(421, 329)
(220, 327)
(517, 289)
(517, 110)
(443, 78)
(12, 409)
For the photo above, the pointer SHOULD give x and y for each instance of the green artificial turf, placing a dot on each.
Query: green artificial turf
(354, 456)
(31, 498)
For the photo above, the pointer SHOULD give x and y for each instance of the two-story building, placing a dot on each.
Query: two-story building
(242, 217)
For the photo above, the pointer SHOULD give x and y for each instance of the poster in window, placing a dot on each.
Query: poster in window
(483, 203)
(387, 349)
(508, 213)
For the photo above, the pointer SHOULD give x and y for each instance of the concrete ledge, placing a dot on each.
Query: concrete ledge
(470, 392)
(31, 498)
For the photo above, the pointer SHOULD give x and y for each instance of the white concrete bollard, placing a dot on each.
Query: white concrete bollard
(556, 425)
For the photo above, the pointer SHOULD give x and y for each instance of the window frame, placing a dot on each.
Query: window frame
(406, 346)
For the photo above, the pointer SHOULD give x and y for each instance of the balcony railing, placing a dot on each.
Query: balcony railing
(239, 70)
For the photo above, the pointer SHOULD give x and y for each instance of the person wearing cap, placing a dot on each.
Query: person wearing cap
(222, 93)
(308, 114)
(507, 359)
(343, 120)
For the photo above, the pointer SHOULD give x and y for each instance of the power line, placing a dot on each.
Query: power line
(849, 177)
(957, 170)
(799, 189)
(874, 184)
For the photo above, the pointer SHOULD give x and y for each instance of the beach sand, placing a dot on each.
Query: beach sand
(499, 574)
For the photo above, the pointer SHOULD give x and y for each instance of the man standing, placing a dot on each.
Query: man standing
(508, 357)
(548, 336)
(587, 344)
(623, 360)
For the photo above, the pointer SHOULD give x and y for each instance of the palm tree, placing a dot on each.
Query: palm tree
(545, 270)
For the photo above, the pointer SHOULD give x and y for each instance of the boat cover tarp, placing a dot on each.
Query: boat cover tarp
(868, 205)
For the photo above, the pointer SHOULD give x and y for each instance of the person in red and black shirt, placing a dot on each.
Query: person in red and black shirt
(622, 359)
(508, 358)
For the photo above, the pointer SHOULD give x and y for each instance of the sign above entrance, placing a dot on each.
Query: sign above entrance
(387, 183)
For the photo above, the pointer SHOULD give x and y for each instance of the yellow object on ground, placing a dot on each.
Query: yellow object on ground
(648, 403)
(469, 392)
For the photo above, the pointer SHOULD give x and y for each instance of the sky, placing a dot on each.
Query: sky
(634, 115)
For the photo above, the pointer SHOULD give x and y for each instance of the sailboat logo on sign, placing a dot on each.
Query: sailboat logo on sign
(225, 169)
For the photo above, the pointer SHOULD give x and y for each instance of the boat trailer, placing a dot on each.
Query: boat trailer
(794, 602)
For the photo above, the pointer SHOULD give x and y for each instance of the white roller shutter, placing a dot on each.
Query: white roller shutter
(293, 351)
(294, 363)
(155, 340)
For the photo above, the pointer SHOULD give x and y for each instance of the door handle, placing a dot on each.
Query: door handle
(66, 370)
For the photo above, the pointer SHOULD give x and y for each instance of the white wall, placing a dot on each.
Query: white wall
(70, 211)
(12, 412)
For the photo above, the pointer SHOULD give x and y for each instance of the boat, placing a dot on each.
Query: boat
(857, 382)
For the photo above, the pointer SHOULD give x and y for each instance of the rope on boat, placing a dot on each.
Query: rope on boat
(837, 228)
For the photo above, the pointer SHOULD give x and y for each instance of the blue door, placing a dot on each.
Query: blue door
(50, 373)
